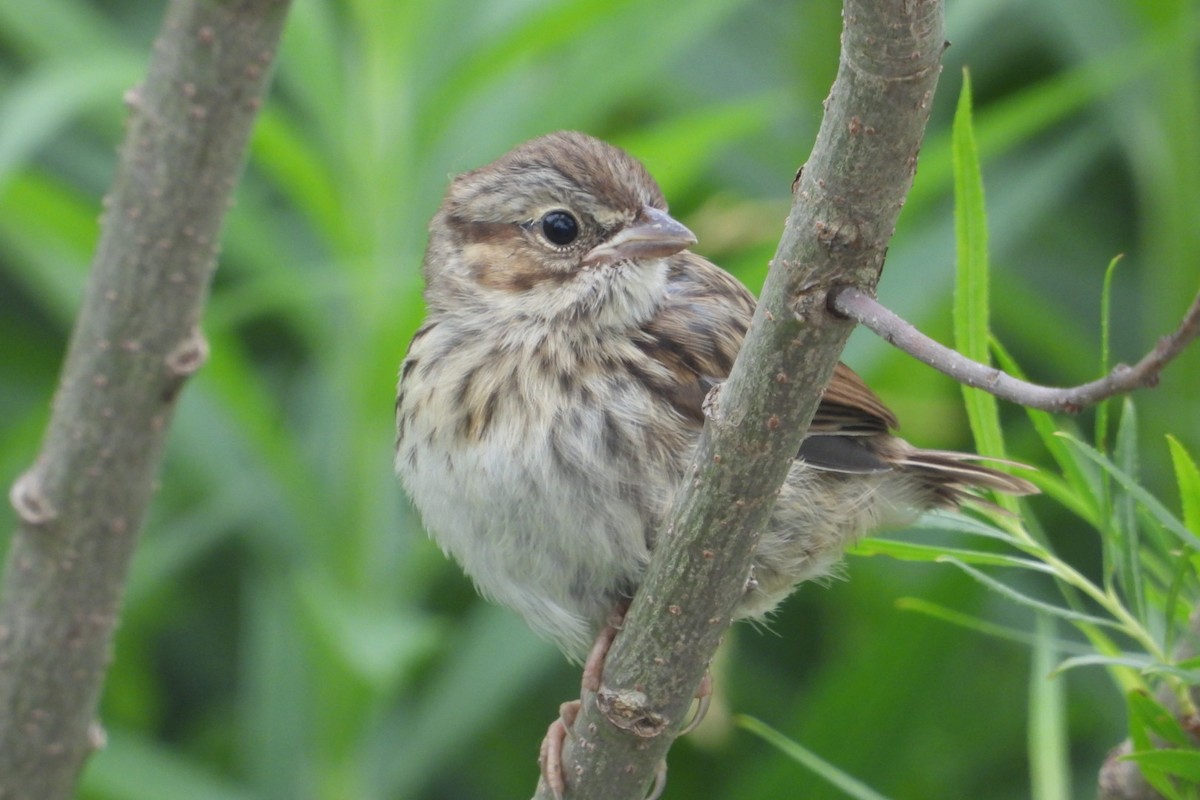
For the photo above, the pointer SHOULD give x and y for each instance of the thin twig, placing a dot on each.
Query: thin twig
(865, 309)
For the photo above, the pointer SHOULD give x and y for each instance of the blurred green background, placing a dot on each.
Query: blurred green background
(289, 632)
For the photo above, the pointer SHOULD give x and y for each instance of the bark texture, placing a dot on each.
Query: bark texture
(846, 202)
(136, 341)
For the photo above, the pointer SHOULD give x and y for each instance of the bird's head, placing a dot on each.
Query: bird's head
(564, 223)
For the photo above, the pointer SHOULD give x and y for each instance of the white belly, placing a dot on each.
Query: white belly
(548, 519)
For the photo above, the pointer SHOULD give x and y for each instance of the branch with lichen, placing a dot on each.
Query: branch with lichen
(846, 202)
(136, 341)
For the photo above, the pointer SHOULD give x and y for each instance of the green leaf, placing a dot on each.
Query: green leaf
(1180, 763)
(374, 642)
(1105, 350)
(1187, 675)
(962, 620)
(677, 151)
(1124, 516)
(491, 648)
(1155, 718)
(132, 767)
(47, 230)
(1192, 663)
(1148, 501)
(1187, 476)
(1082, 492)
(35, 109)
(948, 521)
(910, 551)
(810, 760)
(281, 148)
(1067, 493)
(1132, 661)
(1049, 765)
(1026, 600)
(1148, 722)
(46, 30)
(983, 626)
(971, 331)
(1012, 121)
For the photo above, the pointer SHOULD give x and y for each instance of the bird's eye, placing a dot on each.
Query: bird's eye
(560, 227)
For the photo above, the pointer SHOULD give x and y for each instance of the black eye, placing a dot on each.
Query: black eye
(560, 227)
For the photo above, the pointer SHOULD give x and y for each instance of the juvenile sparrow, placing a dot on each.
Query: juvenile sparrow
(550, 403)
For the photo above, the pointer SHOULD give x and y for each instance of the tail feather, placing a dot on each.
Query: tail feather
(953, 477)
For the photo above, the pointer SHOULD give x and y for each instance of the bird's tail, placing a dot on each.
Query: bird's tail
(954, 478)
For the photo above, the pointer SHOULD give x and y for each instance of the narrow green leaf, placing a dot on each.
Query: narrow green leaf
(278, 704)
(1130, 660)
(1180, 763)
(132, 767)
(1146, 719)
(282, 148)
(971, 331)
(1049, 765)
(810, 760)
(1083, 496)
(910, 551)
(47, 232)
(1189, 676)
(37, 107)
(1066, 493)
(1124, 517)
(946, 521)
(962, 620)
(1176, 613)
(1026, 600)
(1157, 719)
(1018, 118)
(1187, 476)
(491, 648)
(679, 149)
(46, 30)
(374, 642)
(1130, 484)
(1105, 350)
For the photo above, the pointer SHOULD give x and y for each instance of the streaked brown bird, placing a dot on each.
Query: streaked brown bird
(550, 403)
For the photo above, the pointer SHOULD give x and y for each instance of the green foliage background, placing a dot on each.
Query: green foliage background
(289, 632)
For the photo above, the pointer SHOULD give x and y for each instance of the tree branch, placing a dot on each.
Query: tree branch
(846, 203)
(135, 342)
(862, 307)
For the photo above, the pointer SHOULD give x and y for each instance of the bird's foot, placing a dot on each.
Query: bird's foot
(551, 752)
(550, 755)
(703, 700)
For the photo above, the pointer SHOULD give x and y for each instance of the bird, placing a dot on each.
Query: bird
(549, 404)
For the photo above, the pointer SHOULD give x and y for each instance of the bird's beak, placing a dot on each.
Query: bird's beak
(655, 234)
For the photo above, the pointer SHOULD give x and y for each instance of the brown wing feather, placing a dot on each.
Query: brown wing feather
(849, 406)
(696, 336)
(700, 328)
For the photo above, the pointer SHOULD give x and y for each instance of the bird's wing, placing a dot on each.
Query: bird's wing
(696, 336)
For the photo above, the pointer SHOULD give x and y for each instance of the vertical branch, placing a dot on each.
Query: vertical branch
(846, 203)
(136, 341)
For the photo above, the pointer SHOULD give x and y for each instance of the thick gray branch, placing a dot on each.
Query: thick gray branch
(864, 308)
(846, 203)
(136, 341)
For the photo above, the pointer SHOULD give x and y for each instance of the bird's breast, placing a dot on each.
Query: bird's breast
(543, 465)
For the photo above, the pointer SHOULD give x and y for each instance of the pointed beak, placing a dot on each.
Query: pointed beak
(654, 234)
